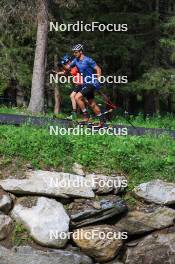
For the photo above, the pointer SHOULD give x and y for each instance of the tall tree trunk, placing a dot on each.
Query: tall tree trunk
(57, 96)
(38, 80)
(157, 102)
(20, 99)
(149, 103)
(57, 100)
(157, 6)
(169, 103)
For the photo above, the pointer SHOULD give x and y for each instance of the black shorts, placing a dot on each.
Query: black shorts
(88, 91)
(77, 88)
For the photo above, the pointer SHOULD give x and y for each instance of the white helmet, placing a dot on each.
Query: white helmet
(77, 47)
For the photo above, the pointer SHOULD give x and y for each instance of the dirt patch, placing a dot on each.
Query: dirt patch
(28, 201)
(20, 237)
(13, 168)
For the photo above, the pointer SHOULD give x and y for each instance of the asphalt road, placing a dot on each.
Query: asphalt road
(12, 119)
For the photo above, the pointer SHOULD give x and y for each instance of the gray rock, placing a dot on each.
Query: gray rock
(28, 255)
(159, 247)
(5, 202)
(46, 183)
(146, 219)
(6, 225)
(84, 212)
(106, 184)
(78, 169)
(45, 219)
(29, 166)
(156, 191)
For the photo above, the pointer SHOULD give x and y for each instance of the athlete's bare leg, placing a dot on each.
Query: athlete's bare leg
(94, 106)
(74, 104)
(97, 111)
(80, 102)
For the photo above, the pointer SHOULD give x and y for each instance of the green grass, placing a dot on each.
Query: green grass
(20, 235)
(141, 158)
(12, 110)
(20, 110)
(157, 121)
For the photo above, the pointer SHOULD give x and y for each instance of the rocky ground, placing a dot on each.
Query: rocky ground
(55, 217)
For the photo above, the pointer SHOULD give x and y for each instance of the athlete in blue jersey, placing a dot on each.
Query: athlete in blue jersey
(87, 67)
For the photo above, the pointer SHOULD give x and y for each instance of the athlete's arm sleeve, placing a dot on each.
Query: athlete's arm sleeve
(72, 64)
(92, 63)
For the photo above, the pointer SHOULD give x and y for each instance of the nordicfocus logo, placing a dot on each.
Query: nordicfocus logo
(89, 27)
(118, 182)
(56, 78)
(88, 235)
(81, 130)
